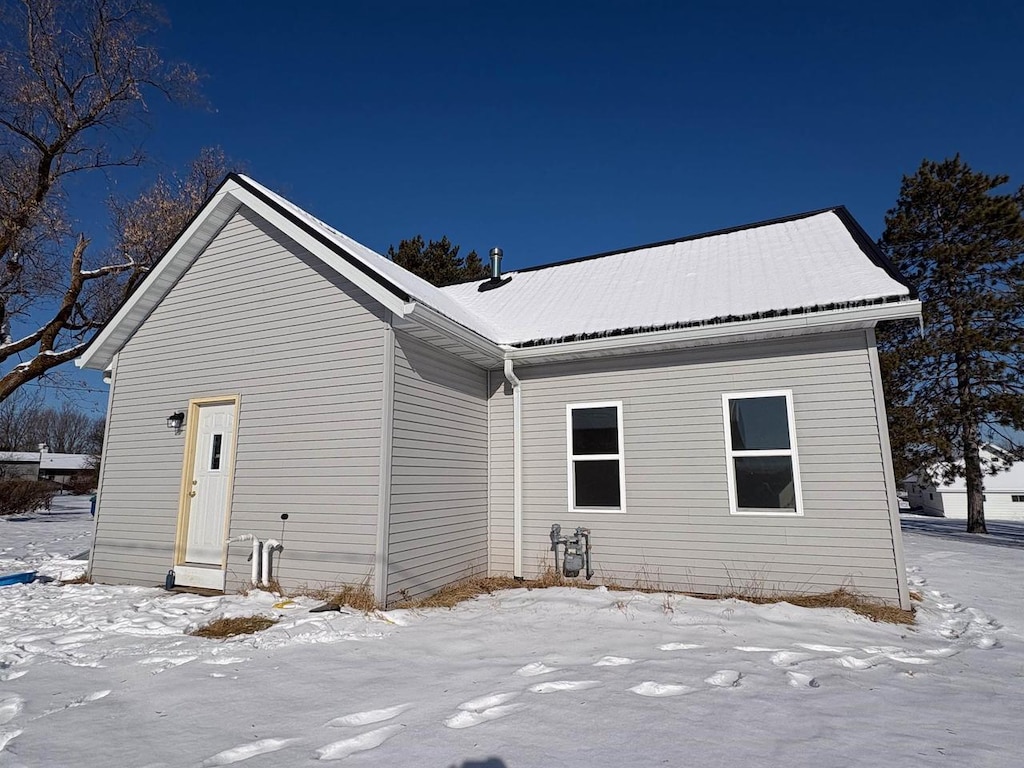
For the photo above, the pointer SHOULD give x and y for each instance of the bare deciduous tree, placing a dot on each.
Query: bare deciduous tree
(74, 77)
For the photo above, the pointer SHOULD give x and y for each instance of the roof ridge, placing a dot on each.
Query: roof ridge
(684, 239)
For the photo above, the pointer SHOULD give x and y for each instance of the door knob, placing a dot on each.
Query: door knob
(192, 493)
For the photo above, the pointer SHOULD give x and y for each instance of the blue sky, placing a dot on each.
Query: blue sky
(556, 130)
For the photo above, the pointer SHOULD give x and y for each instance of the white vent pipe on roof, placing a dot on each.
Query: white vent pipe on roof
(255, 556)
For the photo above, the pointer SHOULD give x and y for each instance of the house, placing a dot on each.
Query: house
(61, 468)
(1003, 497)
(710, 408)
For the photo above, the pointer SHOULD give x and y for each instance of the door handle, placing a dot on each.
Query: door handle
(192, 494)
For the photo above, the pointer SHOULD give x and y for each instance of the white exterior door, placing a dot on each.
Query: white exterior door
(207, 489)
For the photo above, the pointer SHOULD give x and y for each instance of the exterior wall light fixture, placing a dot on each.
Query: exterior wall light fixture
(175, 420)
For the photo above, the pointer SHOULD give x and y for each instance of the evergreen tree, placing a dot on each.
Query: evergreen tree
(438, 261)
(958, 384)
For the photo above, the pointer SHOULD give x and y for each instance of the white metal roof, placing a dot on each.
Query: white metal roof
(802, 263)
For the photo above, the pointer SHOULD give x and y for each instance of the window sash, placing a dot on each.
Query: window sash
(572, 458)
(732, 455)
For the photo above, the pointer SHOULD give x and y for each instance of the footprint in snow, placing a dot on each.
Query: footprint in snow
(6, 737)
(564, 685)
(169, 662)
(482, 710)
(824, 648)
(486, 702)
(909, 659)
(370, 716)
(942, 653)
(225, 660)
(80, 701)
(651, 688)
(801, 680)
(724, 678)
(986, 642)
(339, 750)
(10, 708)
(679, 646)
(245, 751)
(534, 669)
(852, 662)
(13, 674)
(755, 649)
(789, 658)
(613, 661)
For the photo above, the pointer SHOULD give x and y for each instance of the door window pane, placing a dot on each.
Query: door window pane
(215, 452)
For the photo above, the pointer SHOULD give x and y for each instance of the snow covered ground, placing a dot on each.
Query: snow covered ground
(104, 676)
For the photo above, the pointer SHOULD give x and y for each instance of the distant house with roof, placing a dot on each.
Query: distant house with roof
(1003, 494)
(709, 408)
(61, 468)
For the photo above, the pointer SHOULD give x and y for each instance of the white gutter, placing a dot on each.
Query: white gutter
(517, 469)
(789, 325)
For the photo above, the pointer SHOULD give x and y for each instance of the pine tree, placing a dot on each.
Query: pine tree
(438, 261)
(958, 384)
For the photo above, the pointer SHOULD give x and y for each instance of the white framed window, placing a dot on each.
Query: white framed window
(760, 449)
(596, 464)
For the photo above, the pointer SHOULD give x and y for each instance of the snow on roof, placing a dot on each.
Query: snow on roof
(52, 461)
(19, 457)
(1007, 481)
(782, 266)
(59, 461)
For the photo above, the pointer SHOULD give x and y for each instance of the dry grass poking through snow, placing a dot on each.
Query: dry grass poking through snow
(838, 598)
(359, 597)
(240, 625)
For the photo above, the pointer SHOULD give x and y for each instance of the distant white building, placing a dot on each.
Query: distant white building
(1004, 493)
(43, 465)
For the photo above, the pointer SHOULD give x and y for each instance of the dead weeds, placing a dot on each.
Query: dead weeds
(837, 598)
(239, 625)
(452, 595)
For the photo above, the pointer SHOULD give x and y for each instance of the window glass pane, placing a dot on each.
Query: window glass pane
(765, 482)
(215, 453)
(595, 430)
(597, 484)
(759, 423)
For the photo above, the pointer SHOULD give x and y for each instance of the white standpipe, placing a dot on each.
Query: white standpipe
(255, 557)
(268, 547)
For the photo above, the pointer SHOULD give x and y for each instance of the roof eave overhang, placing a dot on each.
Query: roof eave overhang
(830, 321)
(465, 343)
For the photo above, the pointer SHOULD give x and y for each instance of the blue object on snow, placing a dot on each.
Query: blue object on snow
(17, 578)
(92, 505)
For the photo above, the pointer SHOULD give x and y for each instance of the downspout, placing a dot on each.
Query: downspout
(517, 470)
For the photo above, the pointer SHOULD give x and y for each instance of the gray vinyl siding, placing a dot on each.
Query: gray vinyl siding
(677, 531)
(438, 523)
(256, 316)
